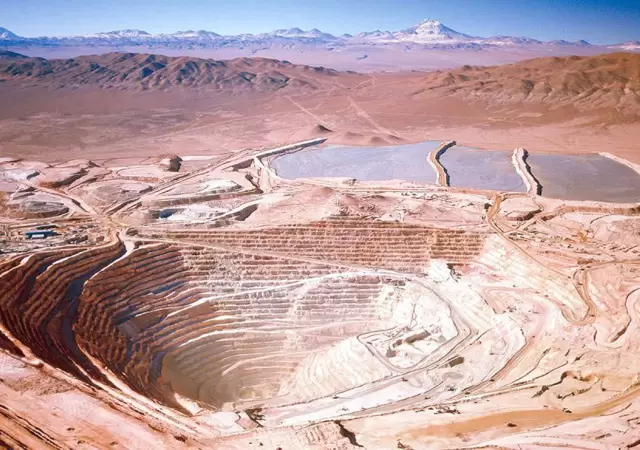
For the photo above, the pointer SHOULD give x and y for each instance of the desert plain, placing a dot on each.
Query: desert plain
(231, 254)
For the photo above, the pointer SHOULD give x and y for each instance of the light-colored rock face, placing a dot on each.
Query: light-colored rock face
(149, 172)
(519, 208)
(57, 177)
(320, 313)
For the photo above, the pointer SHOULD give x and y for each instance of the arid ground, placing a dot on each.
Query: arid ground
(593, 108)
(163, 286)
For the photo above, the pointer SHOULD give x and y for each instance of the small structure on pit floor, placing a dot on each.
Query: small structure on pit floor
(40, 234)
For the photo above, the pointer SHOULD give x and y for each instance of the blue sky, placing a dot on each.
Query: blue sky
(597, 21)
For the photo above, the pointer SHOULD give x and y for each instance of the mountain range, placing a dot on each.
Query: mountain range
(583, 83)
(428, 45)
(429, 33)
(139, 71)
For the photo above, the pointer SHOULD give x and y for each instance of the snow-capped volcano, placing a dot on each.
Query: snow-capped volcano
(431, 31)
(6, 34)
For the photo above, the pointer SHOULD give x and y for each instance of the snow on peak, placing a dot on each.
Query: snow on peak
(6, 34)
(426, 33)
(296, 32)
(291, 32)
(195, 34)
(511, 40)
(430, 23)
(431, 31)
(129, 33)
(377, 34)
(629, 46)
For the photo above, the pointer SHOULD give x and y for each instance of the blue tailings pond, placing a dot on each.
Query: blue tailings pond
(398, 162)
(585, 177)
(481, 169)
(569, 177)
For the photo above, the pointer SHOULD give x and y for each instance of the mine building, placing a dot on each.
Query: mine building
(40, 234)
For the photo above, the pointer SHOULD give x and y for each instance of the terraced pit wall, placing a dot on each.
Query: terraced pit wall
(170, 318)
(363, 242)
(66, 305)
(41, 303)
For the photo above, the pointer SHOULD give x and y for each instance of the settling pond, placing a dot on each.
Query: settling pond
(569, 177)
(585, 177)
(398, 162)
(481, 169)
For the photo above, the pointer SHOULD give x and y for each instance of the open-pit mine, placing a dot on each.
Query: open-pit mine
(226, 306)
(320, 260)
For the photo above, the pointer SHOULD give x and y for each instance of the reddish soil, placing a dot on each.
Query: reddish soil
(229, 308)
(592, 107)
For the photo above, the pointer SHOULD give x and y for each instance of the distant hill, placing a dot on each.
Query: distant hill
(6, 54)
(587, 83)
(147, 71)
(584, 83)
